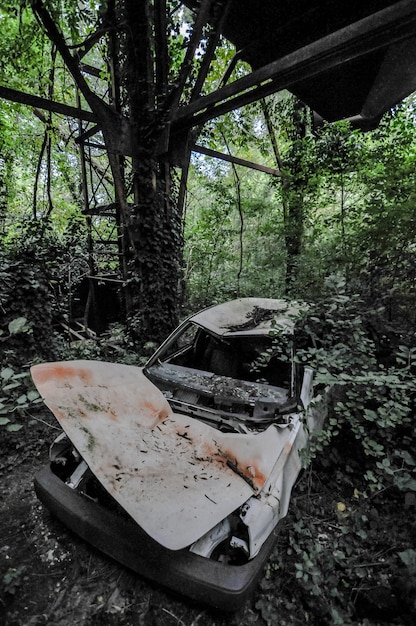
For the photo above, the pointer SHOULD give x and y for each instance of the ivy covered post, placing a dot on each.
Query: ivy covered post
(154, 220)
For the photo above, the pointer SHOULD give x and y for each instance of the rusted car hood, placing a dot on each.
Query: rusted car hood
(176, 476)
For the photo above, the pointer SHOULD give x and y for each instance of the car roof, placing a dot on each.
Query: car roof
(250, 316)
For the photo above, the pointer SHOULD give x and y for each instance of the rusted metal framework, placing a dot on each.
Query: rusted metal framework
(352, 61)
(107, 241)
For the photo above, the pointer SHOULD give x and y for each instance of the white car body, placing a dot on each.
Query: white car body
(201, 447)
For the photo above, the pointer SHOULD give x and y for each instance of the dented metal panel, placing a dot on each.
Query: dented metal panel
(176, 476)
(253, 316)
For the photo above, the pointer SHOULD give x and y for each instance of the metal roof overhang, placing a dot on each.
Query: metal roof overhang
(343, 59)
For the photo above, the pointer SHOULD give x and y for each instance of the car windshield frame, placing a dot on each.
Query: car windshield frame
(225, 394)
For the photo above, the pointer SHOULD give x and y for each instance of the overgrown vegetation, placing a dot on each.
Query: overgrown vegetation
(346, 554)
(338, 560)
(26, 333)
(346, 562)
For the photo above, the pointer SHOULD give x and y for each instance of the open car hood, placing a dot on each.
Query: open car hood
(174, 475)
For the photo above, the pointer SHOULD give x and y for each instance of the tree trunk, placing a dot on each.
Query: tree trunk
(154, 220)
(293, 181)
(293, 189)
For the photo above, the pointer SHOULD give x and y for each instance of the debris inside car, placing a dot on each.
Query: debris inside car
(181, 470)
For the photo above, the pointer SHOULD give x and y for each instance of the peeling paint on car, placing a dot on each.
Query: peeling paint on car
(171, 472)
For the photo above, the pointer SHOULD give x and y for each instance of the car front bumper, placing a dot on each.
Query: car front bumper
(222, 586)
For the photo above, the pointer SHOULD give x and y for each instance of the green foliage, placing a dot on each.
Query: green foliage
(27, 321)
(336, 557)
(217, 240)
(408, 557)
(339, 150)
(26, 328)
(16, 389)
(339, 561)
(18, 394)
(12, 579)
(352, 202)
(337, 551)
(21, 45)
(374, 395)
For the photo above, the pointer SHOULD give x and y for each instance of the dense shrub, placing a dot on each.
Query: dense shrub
(346, 553)
(27, 330)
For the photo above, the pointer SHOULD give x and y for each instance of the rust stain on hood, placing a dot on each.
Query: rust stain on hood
(176, 476)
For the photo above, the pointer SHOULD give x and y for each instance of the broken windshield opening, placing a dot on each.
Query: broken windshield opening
(227, 380)
(256, 358)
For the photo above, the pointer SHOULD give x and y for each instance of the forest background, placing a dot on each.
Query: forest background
(334, 226)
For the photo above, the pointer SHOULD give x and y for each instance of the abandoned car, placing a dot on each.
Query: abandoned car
(182, 469)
